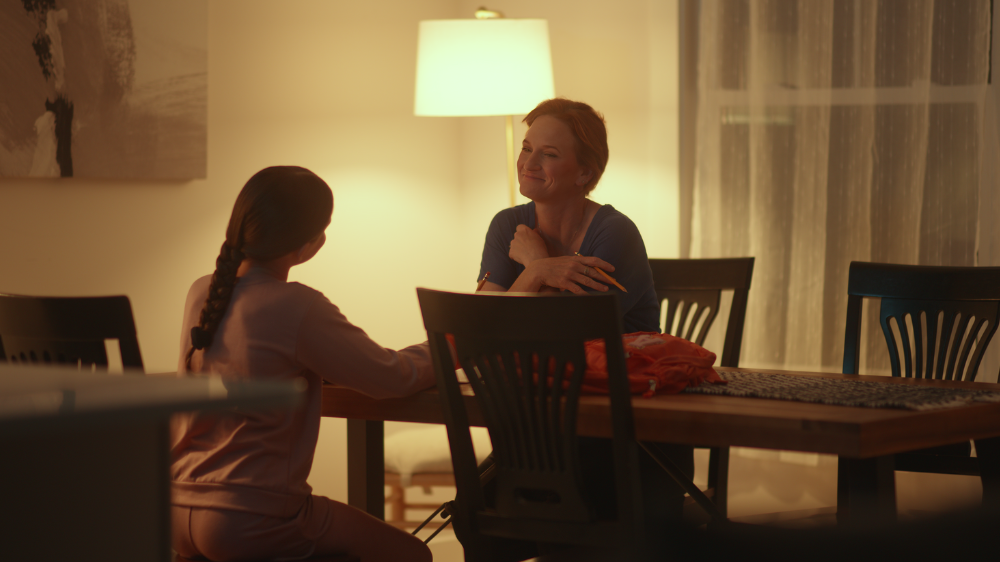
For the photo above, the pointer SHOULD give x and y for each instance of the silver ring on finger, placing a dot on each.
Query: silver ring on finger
(586, 270)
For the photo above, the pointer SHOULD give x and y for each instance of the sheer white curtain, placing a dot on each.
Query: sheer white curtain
(838, 130)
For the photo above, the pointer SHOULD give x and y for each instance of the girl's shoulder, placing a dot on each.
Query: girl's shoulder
(304, 292)
(202, 281)
(199, 289)
(278, 306)
(258, 292)
(282, 293)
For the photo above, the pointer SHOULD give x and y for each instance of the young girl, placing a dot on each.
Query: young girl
(239, 478)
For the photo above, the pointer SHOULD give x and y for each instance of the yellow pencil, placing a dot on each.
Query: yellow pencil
(482, 282)
(606, 276)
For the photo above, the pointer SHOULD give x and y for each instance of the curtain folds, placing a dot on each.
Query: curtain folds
(830, 131)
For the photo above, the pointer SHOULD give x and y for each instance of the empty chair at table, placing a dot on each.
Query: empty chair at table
(937, 322)
(540, 498)
(68, 330)
(692, 289)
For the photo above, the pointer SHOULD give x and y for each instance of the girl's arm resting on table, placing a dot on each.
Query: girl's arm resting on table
(342, 353)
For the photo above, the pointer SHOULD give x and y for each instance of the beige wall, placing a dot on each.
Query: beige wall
(329, 85)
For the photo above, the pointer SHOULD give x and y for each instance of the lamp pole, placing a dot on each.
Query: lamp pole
(485, 14)
(511, 166)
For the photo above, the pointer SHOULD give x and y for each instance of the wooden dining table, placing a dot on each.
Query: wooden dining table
(864, 438)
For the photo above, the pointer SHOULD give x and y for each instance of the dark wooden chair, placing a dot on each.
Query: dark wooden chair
(944, 319)
(67, 330)
(693, 290)
(536, 502)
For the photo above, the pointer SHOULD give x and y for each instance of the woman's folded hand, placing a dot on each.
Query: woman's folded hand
(527, 246)
(569, 273)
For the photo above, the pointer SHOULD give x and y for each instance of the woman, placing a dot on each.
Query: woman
(239, 478)
(534, 247)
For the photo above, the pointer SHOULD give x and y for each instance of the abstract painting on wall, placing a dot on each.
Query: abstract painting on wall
(103, 88)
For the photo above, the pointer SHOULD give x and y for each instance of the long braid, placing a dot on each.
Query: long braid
(278, 210)
(220, 292)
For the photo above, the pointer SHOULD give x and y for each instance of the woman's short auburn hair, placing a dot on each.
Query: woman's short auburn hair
(587, 126)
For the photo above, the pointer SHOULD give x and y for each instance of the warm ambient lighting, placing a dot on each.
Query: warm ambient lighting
(488, 66)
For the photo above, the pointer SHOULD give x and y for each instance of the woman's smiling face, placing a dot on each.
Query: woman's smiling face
(547, 168)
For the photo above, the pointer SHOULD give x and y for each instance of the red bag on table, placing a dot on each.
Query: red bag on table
(655, 362)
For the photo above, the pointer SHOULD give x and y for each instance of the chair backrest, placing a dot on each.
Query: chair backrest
(67, 330)
(511, 348)
(945, 317)
(693, 289)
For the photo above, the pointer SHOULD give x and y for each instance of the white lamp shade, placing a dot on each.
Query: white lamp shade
(482, 67)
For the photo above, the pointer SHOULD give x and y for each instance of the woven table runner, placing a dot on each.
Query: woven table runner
(842, 392)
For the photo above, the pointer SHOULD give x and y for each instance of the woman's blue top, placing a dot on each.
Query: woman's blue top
(611, 236)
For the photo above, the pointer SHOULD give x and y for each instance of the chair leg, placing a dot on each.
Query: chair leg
(397, 504)
(988, 453)
(682, 479)
(718, 478)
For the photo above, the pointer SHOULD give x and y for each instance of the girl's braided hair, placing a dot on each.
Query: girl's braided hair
(278, 210)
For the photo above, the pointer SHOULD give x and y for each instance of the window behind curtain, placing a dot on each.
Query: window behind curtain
(817, 132)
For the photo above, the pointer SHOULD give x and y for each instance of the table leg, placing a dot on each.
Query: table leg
(366, 466)
(718, 477)
(988, 453)
(866, 491)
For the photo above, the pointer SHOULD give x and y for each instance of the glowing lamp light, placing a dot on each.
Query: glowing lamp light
(484, 66)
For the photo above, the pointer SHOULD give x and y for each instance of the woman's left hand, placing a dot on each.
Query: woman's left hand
(527, 246)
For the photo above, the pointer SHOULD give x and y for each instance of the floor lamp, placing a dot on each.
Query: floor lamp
(484, 66)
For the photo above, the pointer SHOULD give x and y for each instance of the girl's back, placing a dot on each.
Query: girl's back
(239, 486)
